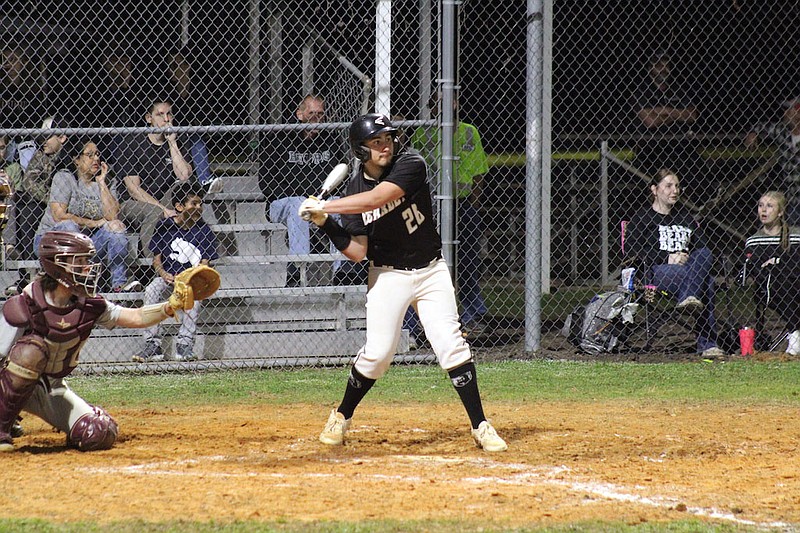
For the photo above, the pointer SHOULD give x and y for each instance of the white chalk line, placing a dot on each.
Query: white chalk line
(524, 475)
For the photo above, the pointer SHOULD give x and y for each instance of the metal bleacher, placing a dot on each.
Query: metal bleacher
(254, 315)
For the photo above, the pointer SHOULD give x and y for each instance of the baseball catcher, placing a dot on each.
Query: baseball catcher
(42, 331)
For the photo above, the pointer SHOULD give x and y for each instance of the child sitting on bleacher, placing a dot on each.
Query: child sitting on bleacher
(179, 242)
(773, 259)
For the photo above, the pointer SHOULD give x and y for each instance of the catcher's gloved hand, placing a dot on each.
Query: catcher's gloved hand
(196, 283)
(312, 209)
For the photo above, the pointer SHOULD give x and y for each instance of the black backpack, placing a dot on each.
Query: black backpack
(603, 324)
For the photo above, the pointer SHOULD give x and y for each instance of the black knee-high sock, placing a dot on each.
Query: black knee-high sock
(465, 381)
(357, 387)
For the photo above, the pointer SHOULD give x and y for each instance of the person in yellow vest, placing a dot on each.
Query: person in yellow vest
(470, 166)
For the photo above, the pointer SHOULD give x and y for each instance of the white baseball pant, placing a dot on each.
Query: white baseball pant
(430, 291)
(60, 406)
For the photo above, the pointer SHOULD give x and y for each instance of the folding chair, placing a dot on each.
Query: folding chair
(764, 340)
(657, 306)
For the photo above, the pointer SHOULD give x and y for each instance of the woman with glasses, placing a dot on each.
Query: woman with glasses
(84, 202)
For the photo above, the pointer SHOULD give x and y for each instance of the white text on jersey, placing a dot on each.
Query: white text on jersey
(375, 214)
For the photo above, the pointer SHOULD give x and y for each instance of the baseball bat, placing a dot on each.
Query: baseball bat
(334, 178)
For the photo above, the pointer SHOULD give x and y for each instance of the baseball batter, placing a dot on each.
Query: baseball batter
(42, 332)
(387, 217)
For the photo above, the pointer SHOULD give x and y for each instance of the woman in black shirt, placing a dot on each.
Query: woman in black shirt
(667, 243)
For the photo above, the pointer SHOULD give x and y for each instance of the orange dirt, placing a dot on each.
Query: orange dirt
(566, 462)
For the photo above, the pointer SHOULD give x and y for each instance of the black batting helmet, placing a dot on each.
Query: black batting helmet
(69, 258)
(366, 127)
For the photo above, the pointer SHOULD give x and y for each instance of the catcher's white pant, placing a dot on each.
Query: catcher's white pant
(430, 291)
(155, 292)
(60, 406)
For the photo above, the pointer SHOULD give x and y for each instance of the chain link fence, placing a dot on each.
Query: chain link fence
(709, 91)
(251, 103)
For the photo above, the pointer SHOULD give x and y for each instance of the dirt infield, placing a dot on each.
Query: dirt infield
(567, 462)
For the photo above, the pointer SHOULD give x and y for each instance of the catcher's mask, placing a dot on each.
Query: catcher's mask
(69, 258)
(365, 128)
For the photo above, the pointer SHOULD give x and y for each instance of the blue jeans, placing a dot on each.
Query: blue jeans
(202, 167)
(284, 211)
(693, 279)
(112, 249)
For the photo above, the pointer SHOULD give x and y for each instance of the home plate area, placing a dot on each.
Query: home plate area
(566, 463)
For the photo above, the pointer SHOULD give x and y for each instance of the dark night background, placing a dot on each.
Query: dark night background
(739, 57)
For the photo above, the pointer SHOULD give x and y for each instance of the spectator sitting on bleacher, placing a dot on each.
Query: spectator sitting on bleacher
(773, 260)
(118, 90)
(671, 253)
(33, 195)
(185, 98)
(13, 176)
(31, 177)
(292, 164)
(150, 165)
(665, 115)
(20, 90)
(85, 202)
(179, 242)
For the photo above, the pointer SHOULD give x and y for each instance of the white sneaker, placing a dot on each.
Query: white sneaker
(335, 428)
(690, 304)
(794, 343)
(215, 185)
(713, 353)
(131, 286)
(487, 438)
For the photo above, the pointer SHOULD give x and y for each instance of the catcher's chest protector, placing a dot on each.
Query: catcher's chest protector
(64, 329)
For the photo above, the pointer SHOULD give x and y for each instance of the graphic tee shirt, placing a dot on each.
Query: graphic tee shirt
(401, 233)
(652, 236)
(295, 165)
(82, 199)
(183, 248)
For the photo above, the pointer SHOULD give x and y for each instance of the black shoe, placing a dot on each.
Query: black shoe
(16, 430)
(183, 352)
(151, 353)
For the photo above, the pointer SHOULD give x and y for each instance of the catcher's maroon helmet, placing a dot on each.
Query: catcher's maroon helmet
(69, 258)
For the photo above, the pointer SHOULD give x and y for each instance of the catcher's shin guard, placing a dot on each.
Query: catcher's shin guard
(93, 431)
(25, 363)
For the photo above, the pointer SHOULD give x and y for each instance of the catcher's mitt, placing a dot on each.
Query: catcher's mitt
(196, 283)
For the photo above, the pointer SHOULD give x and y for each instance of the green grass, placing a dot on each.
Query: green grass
(511, 380)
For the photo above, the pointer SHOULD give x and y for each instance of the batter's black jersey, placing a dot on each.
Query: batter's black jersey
(401, 233)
